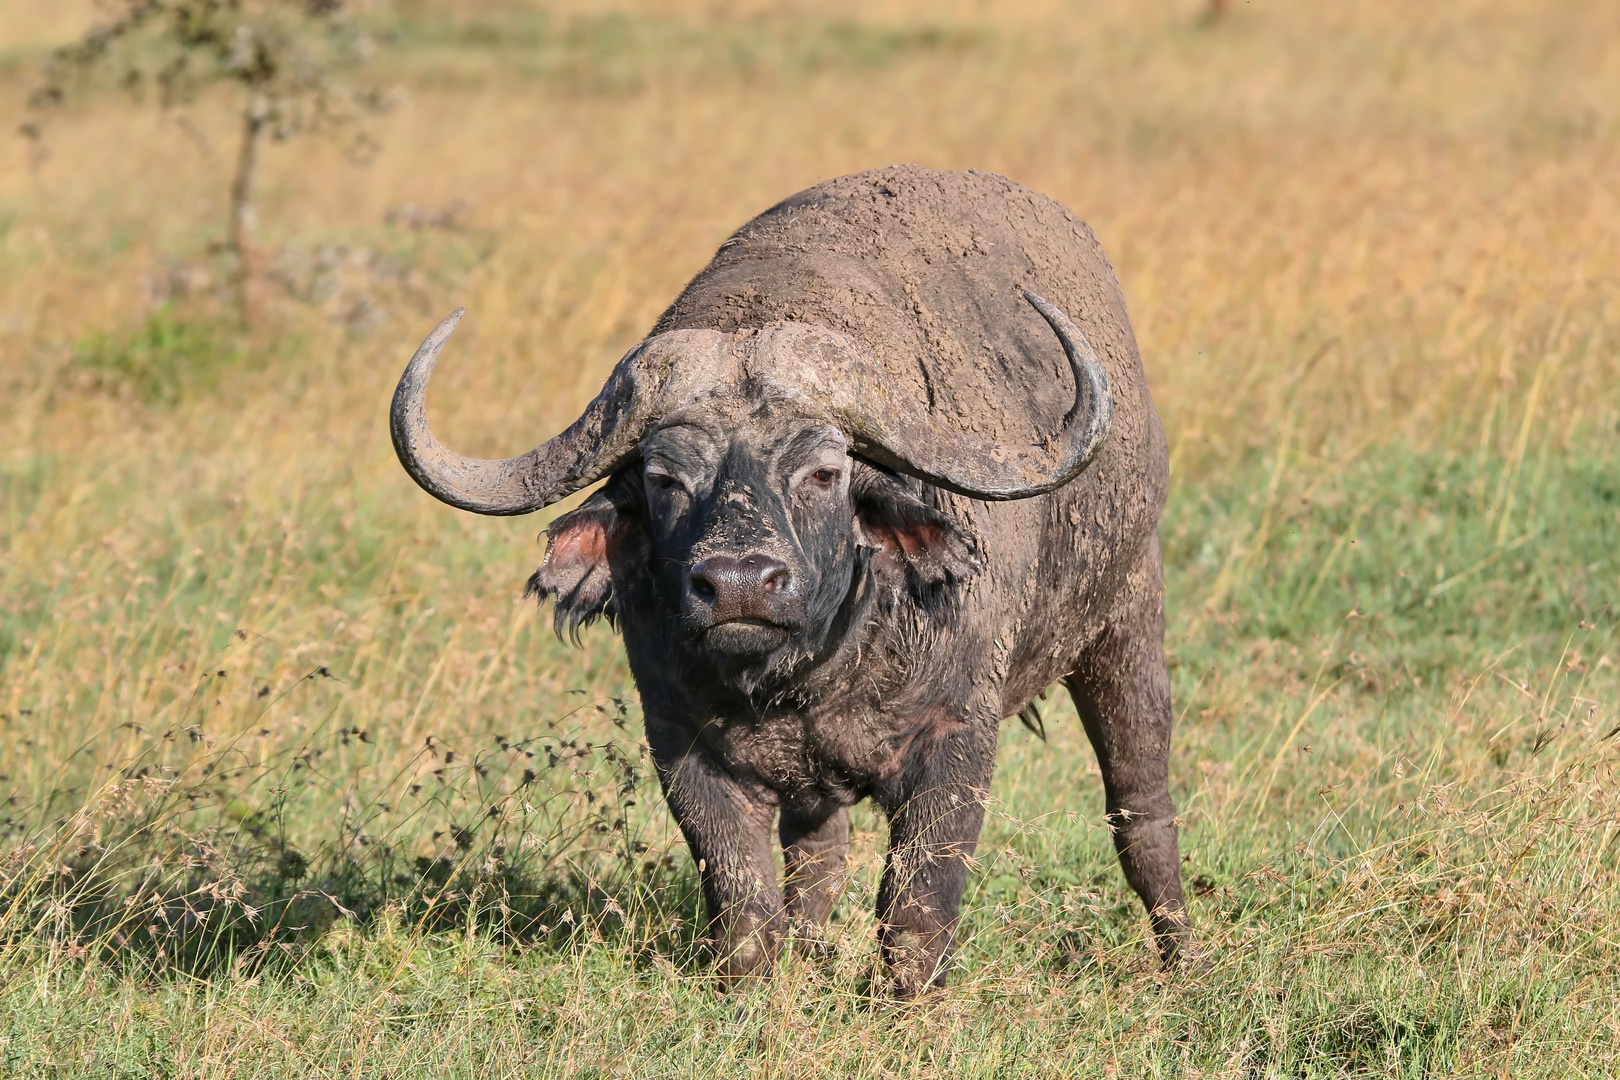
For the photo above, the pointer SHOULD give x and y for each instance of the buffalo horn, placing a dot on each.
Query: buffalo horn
(967, 465)
(599, 442)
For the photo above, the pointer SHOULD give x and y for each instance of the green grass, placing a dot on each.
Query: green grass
(1394, 684)
(162, 360)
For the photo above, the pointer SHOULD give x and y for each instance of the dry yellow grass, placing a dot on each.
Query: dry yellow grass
(1355, 240)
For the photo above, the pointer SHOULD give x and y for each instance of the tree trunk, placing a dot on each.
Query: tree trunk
(249, 259)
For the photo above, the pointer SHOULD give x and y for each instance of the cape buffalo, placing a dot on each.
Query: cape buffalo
(869, 491)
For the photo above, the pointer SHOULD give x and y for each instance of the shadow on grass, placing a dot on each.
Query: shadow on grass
(165, 868)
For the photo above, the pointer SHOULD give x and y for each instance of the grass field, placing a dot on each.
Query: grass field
(297, 784)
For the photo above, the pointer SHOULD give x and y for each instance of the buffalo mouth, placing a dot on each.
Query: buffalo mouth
(746, 637)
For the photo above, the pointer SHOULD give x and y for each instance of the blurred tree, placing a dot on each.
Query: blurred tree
(286, 60)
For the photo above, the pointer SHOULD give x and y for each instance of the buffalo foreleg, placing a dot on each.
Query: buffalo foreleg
(815, 849)
(727, 826)
(936, 808)
(1122, 691)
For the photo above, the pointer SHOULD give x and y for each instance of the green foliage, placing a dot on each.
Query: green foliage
(291, 53)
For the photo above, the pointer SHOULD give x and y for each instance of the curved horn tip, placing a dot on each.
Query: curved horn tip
(447, 325)
(427, 354)
(1049, 311)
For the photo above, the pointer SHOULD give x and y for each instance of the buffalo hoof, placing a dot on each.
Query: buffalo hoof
(742, 961)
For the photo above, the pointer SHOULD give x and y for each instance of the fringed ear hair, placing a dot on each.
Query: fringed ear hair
(576, 571)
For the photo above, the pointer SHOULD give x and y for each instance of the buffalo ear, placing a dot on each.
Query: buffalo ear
(914, 542)
(576, 571)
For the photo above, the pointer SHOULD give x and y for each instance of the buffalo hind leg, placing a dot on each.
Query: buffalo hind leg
(728, 829)
(1122, 691)
(815, 850)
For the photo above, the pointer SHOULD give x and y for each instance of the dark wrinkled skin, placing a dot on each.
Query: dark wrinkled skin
(808, 629)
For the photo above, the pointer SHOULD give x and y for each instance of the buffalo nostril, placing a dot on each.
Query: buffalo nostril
(777, 579)
(703, 588)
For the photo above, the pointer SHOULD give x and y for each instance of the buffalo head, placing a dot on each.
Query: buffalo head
(755, 478)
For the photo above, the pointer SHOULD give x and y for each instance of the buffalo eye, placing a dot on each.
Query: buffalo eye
(663, 481)
(823, 478)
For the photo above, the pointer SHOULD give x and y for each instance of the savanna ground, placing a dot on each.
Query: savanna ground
(297, 784)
